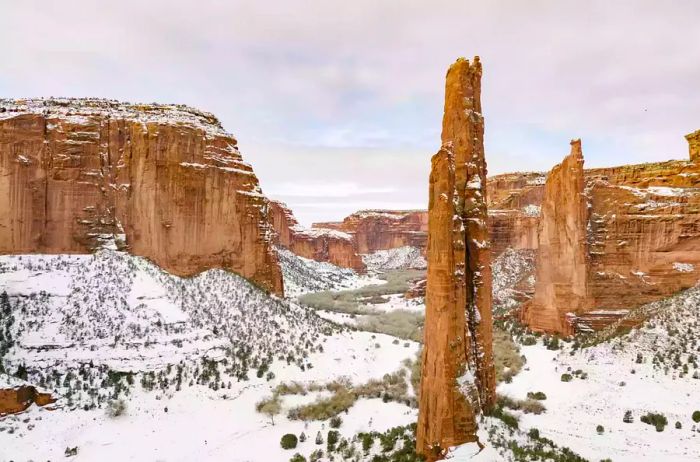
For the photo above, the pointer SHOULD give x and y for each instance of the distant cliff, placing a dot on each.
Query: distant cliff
(164, 182)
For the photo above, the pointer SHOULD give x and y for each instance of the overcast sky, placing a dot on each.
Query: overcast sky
(338, 104)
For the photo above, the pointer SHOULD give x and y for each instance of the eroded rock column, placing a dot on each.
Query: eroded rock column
(458, 379)
(561, 273)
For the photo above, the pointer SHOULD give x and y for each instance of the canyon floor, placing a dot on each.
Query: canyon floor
(158, 367)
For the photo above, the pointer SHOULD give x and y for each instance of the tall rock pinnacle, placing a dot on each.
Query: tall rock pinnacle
(458, 379)
(694, 145)
(561, 273)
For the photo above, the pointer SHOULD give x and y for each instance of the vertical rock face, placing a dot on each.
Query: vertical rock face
(318, 244)
(457, 372)
(375, 230)
(165, 182)
(694, 145)
(561, 273)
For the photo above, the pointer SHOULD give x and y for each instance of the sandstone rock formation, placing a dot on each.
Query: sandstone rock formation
(457, 379)
(642, 234)
(328, 245)
(165, 182)
(375, 230)
(18, 399)
(561, 285)
(694, 145)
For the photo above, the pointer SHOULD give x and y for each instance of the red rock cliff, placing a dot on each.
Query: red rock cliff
(561, 285)
(375, 230)
(457, 379)
(166, 182)
(329, 245)
(642, 234)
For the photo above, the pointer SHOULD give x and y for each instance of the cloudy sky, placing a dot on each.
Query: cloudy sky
(338, 104)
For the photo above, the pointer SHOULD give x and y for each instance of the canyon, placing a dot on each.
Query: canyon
(161, 181)
(457, 371)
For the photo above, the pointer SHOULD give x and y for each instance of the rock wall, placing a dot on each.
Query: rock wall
(165, 182)
(375, 230)
(457, 380)
(694, 145)
(561, 272)
(327, 245)
(18, 399)
(642, 234)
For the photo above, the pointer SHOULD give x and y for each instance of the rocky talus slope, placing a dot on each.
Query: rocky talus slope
(162, 181)
(458, 378)
(322, 245)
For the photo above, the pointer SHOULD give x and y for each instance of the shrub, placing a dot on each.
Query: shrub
(696, 416)
(628, 417)
(532, 406)
(657, 420)
(336, 422)
(288, 441)
(270, 407)
(297, 458)
(679, 425)
(538, 395)
(116, 407)
(600, 429)
(529, 341)
(566, 377)
(325, 408)
(316, 455)
(332, 440)
(507, 359)
(302, 437)
(534, 434)
(319, 438)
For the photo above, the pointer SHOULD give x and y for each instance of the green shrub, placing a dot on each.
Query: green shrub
(297, 458)
(332, 439)
(696, 416)
(336, 422)
(679, 425)
(628, 417)
(657, 420)
(288, 441)
(538, 395)
(529, 341)
(600, 429)
(566, 378)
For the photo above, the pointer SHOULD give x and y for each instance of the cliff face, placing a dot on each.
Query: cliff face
(18, 399)
(642, 238)
(328, 245)
(375, 230)
(457, 379)
(165, 182)
(561, 285)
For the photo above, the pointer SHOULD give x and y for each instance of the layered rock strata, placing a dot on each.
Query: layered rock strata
(164, 182)
(561, 286)
(457, 380)
(375, 230)
(642, 236)
(325, 245)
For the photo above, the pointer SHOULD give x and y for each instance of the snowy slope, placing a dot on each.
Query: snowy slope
(399, 258)
(302, 275)
(189, 357)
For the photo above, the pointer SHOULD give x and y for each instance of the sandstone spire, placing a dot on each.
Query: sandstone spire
(561, 273)
(694, 145)
(457, 371)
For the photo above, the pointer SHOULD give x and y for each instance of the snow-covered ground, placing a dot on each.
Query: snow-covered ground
(190, 357)
(302, 275)
(399, 258)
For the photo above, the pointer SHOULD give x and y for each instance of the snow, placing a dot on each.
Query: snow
(119, 312)
(398, 258)
(83, 111)
(683, 267)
